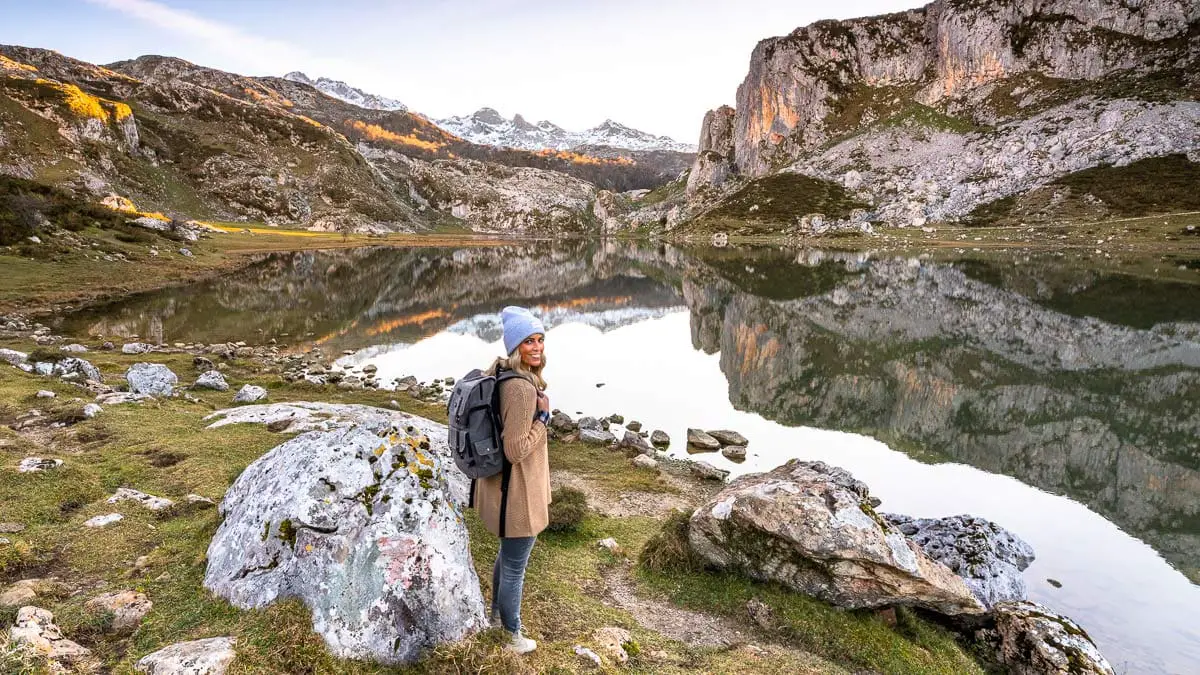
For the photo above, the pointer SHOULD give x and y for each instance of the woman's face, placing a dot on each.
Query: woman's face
(530, 350)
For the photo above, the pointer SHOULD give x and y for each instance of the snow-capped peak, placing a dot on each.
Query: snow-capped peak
(488, 127)
(344, 92)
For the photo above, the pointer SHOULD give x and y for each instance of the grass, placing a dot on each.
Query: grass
(774, 204)
(1147, 187)
(162, 448)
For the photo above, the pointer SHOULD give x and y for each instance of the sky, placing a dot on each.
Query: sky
(656, 65)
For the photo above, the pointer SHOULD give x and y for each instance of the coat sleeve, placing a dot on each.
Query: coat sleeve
(518, 402)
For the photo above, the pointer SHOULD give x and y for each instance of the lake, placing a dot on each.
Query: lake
(1057, 395)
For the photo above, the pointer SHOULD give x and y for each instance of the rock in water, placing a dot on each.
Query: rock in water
(1032, 640)
(727, 437)
(360, 523)
(699, 441)
(811, 527)
(988, 557)
(153, 379)
(198, 657)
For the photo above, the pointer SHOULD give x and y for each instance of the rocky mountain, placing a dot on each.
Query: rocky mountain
(344, 92)
(196, 142)
(488, 127)
(959, 111)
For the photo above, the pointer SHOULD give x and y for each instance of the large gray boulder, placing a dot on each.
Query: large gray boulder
(811, 527)
(153, 379)
(1029, 639)
(361, 519)
(988, 557)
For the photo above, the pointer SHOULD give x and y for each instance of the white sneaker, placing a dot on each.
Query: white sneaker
(494, 619)
(521, 644)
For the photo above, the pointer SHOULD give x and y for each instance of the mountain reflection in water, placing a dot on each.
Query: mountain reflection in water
(1078, 381)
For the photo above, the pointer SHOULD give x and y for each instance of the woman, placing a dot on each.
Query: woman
(524, 412)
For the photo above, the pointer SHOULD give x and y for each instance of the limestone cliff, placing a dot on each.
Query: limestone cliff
(962, 102)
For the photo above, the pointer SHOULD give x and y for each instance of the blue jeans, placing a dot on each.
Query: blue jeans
(508, 580)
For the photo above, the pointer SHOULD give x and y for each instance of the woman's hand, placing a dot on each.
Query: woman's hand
(543, 402)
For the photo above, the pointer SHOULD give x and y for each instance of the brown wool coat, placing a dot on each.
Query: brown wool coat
(526, 447)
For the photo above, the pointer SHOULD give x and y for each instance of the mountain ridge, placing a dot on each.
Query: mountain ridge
(487, 126)
(933, 114)
(344, 92)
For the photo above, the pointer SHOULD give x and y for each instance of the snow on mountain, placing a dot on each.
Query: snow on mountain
(488, 127)
(342, 91)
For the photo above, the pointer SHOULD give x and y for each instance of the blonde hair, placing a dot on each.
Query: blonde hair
(514, 363)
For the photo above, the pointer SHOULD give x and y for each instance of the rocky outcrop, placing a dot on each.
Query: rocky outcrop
(988, 557)
(1032, 640)
(359, 520)
(812, 527)
(930, 113)
(715, 159)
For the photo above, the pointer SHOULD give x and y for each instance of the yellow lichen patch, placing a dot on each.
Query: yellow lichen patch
(121, 110)
(80, 102)
(375, 132)
(380, 450)
(8, 64)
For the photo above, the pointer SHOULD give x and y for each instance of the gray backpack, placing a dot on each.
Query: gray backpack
(475, 431)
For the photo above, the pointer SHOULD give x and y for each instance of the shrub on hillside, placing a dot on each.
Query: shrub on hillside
(25, 205)
(668, 551)
(568, 506)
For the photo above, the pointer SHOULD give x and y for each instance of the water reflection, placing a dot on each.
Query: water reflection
(991, 385)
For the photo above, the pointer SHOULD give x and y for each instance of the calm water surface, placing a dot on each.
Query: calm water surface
(1058, 399)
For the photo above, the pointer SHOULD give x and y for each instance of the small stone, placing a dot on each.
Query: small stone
(611, 641)
(589, 655)
(699, 441)
(211, 656)
(103, 521)
(35, 628)
(11, 528)
(617, 419)
(659, 438)
(760, 612)
(127, 607)
(149, 501)
(589, 423)
(202, 363)
(91, 410)
(634, 425)
(734, 453)
(43, 393)
(35, 464)
(596, 437)
(21, 593)
(249, 394)
(706, 471)
(119, 397)
(13, 357)
(645, 462)
(635, 442)
(135, 348)
(211, 379)
(199, 499)
(187, 253)
(727, 437)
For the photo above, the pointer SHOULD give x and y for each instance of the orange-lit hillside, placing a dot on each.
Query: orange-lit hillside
(375, 132)
(577, 158)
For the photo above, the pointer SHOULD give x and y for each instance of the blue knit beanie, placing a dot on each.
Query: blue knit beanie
(518, 325)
